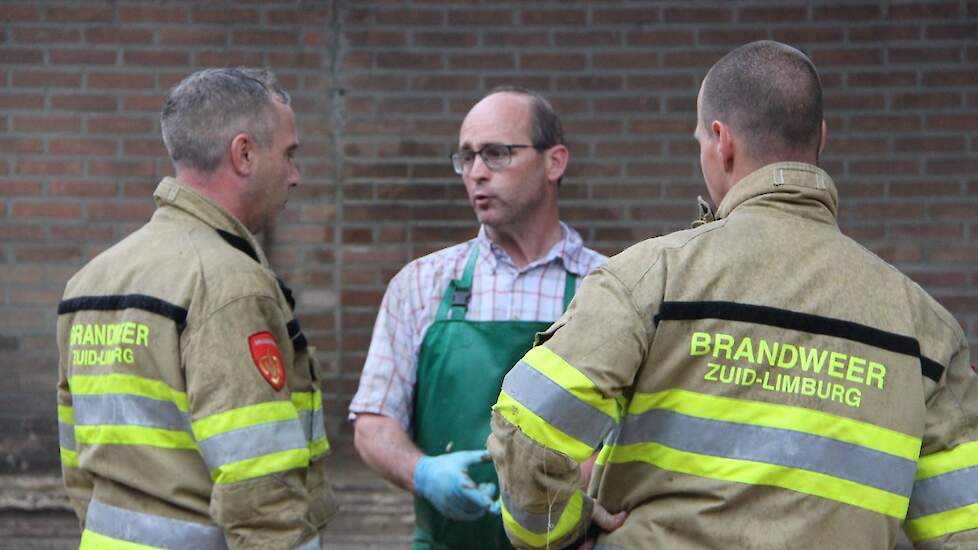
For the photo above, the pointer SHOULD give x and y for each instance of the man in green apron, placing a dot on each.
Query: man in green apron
(453, 323)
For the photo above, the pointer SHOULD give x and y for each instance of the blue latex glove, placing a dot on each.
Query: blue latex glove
(442, 480)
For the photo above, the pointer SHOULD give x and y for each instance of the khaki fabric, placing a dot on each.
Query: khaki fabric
(775, 243)
(179, 257)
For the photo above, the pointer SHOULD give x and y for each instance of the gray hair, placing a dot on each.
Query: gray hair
(207, 109)
(547, 130)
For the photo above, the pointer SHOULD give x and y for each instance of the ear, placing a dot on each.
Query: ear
(725, 143)
(243, 155)
(821, 142)
(557, 157)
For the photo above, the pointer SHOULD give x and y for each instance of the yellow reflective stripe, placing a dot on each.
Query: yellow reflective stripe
(568, 519)
(244, 417)
(962, 456)
(773, 415)
(134, 435)
(307, 400)
(758, 473)
(260, 466)
(69, 459)
(566, 376)
(85, 384)
(539, 430)
(94, 541)
(943, 523)
(66, 414)
(604, 455)
(319, 447)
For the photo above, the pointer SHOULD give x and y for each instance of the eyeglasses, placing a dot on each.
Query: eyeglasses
(496, 156)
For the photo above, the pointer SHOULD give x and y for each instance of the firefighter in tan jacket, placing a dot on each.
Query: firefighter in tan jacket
(189, 404)
(760, 381)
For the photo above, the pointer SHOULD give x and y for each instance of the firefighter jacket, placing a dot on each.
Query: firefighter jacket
(760, 381)
(189, 406)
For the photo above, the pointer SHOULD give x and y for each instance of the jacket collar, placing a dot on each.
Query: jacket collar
(797, 187)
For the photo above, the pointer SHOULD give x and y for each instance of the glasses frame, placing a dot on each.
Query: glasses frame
(461, 169)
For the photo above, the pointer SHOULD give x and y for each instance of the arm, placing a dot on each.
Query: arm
(555, 408)
(944, 504)
(248, 431)
(386, 448)
(78, 483)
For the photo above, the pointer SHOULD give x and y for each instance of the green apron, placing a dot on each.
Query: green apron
(461, 368)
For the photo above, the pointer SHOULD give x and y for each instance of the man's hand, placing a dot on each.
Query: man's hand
(443, 481)
(605, 521)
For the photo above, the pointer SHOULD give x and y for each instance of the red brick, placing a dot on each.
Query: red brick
(958, 121)
(228, 58)
(118, 35)
(659, 169)
(21, 232)
(951, 78)
(884, 79)
(116, 210)
(47, 209)
(625, 16)
(36, 78)
(80, 14)
(660, 38)
(126, 81)
(20, 145)
(212, 36)
(225, 15)
(410, 106)
(295, 60)
(86, 102)
(930, 279)
(516, 38)
(482, 61)
(588, 39)
(120, 168)
(46, 35)
(697, 15)
(965, 166)
(143, 103)
(925, 189)
(626, 60)
(930, 144)
(20, 56)
(771, 14)
(884, 167)
(943, 54)
(923, 10)
(497, 18)
(927, 100)
(119, 125)
(383, 38)
(21, 101)
(82, 57)
(23, 12)
(19, 187)
(692, 58)
(661, 126)
(152, 14)
(553, 61)
(836, 102)
(409, 17)
(661, 82)
(151, 147)
(847, 12)
(406, 60)
(884, 33)
(86, 233)
(731, 37)
(444, 83)
(553, 18)
(47, 253)
(47, 123)
(847, 56)
(590, 83)
(954, 254)
(945, 31)
(807, 35)
(81, 188)
(154, 58)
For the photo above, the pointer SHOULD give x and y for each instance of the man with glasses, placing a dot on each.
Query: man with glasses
(452, 323)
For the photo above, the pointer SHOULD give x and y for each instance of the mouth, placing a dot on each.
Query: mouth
(481, 200)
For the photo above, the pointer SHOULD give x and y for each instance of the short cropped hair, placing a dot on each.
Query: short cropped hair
(546, 130)
(770, 95)
(207, 109)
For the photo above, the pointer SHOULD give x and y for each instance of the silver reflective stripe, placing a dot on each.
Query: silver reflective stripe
(773, 446)
(66, 436)
(152, 530)
(128, 410)
(313, 420)
(557, 406)
(944, 492)
(263, 439)
(311, 544)
(536, 523)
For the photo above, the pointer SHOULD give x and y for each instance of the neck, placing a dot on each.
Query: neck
(528, 243)
(218, 188)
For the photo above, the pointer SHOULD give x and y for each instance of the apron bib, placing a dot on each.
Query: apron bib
(461, 367)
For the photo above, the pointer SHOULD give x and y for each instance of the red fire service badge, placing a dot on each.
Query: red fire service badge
(267, 358)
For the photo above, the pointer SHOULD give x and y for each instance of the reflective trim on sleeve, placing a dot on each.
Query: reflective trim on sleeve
(128, 384)
(134, 435)
(128, 529)
(539, 430)
(129, 410)
(570, 379)
(311, 544)
(66, 436)
(244, 417)
(261, 466)
(66, 414)
(792, 455)
(310, 407)
(537, 530)
(252, 442)
(945, 495)
(69, 459)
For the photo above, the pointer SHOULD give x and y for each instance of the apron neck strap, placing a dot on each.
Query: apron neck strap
(455, 302)
(570, 287)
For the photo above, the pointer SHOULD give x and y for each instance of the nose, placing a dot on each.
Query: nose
(479, 170)
(294, 175)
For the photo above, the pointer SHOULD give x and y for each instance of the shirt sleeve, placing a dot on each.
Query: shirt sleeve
(558, 404)
(389, 373)
(78, 482)
(246, 422)
(944, 504)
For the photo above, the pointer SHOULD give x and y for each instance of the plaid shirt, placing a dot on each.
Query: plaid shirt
(500, 292)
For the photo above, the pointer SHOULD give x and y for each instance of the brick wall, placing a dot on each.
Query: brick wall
(380, 89)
